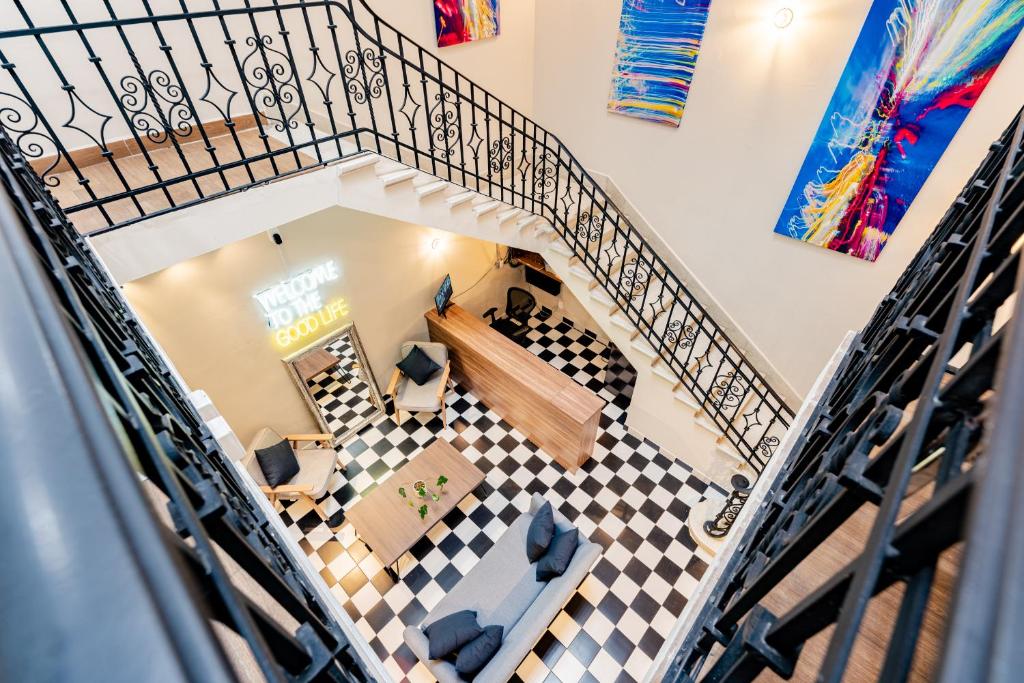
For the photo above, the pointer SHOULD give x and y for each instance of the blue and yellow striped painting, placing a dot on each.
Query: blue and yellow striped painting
(656, 54)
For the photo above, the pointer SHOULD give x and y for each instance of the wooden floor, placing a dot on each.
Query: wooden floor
(108, 177)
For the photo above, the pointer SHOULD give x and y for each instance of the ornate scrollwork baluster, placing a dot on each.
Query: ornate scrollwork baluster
(500, 156)
(271, 75)
(365, 73)
(445, 123)
(22, 123)
(723, 521)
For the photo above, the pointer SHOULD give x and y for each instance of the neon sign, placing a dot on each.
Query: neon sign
(297, 297)
(294, 308)
(307, 326)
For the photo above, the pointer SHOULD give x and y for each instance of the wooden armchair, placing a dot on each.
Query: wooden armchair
(316, 465)
(428, 398)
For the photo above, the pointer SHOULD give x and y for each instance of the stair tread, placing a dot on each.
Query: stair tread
(430, 188)
(486, 207)
(460, 198)
(359, 162)
(399, 176)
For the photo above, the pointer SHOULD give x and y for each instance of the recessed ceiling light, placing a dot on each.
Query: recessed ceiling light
(783, 18)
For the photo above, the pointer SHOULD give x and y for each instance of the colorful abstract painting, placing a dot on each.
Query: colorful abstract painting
(655, 57)
(461, 21)
(916, 70)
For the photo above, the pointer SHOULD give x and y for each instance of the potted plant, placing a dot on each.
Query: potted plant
(441, 481)
(423, 512)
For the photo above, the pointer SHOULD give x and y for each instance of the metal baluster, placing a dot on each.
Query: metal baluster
(144, 82)
(207, 66)
(260, 47)
(284, 33)
(230, 42)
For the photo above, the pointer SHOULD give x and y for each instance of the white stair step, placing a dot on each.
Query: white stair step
(505, 216)
(431, 188)
(386, 166)
(560, 247)
(485, 207)
(619, 319)
(728, 450)
(686, 398)
(396, 177)
(599, 295)
(664, 372)
(459, 199)
(527, 221)
(580, 271)
(357, 163)
(641, 345)
(545, 231)
(705, 422)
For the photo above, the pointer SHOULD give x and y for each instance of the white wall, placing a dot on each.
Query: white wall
(713, 188)
(503, 65)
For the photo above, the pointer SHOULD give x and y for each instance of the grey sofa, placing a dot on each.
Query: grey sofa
(503, 590)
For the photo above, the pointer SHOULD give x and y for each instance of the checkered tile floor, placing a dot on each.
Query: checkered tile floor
(341, 393)
(629, 498)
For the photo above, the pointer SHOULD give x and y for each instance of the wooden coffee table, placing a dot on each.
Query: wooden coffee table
(384, 520)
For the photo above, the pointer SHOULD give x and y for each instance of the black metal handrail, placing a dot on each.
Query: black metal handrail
(318, 81)
(87, 363)
(928, 392)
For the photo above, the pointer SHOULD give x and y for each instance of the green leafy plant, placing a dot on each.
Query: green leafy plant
(401, 492)
(423, 512)
(441, 481)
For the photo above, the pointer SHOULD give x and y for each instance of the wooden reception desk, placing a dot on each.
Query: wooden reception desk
(544, 404)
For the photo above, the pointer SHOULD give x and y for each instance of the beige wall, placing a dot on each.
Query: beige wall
(202, 312)
(713, 188)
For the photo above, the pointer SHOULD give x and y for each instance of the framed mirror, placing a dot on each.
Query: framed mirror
(336, 381)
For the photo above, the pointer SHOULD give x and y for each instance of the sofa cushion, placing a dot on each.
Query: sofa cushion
(475, 654)
(418, 366)
(540, 533)
(278, 463)
(501, 586)
(448, 634)
(558, 556)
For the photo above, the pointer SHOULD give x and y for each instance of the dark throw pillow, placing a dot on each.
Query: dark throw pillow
(540, 533)
(558, 556)
(475, 654)
(278, 463)
(448, 634)
(418, 366)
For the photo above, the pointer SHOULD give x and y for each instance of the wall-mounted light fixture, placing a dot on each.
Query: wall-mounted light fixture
(435, 244)
(783, 18)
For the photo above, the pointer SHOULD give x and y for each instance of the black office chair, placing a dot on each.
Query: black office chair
(518, 307)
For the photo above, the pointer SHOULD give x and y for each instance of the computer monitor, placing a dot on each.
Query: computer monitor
(444, 295)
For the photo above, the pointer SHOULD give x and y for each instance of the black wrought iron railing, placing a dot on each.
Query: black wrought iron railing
(915, 447)
(89, 409)
(128, 117)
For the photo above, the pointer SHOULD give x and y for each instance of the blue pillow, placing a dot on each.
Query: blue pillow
(448, 634)
(418, 366)
(278, 463)
(475, 654)
(559, 555)
(540, 533)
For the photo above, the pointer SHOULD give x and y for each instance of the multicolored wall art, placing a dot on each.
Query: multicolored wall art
(916, 70)
(655, 57)
(461, 21)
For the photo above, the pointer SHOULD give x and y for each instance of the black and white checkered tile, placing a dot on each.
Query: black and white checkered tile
(629, 498)
(341, 393)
